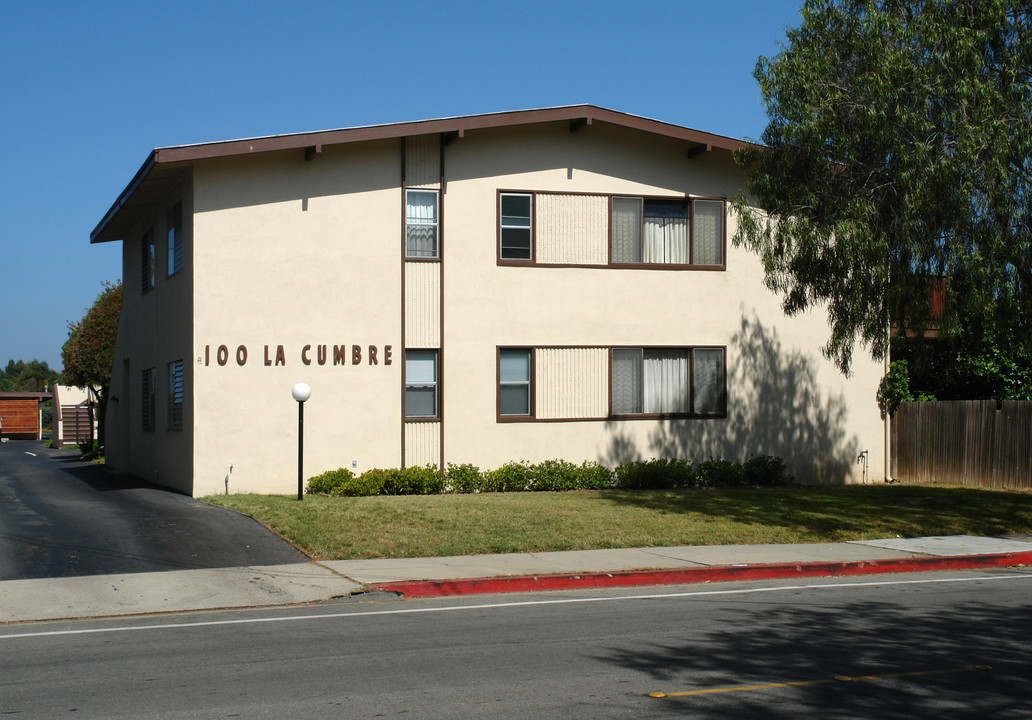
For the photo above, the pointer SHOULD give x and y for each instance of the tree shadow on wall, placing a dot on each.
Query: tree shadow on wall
(776, 406)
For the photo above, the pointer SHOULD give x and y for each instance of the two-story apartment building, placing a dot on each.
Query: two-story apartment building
(553, 283)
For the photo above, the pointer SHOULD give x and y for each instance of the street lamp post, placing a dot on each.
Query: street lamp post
(300, 392)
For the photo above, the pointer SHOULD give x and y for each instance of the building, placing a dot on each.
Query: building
(552, 283)
(21, 415)
(74, 416)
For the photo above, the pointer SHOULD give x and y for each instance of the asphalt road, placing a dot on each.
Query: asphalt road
(61, 517)
(911, 645)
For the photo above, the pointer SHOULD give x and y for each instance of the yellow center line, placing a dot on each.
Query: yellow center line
(802, 683)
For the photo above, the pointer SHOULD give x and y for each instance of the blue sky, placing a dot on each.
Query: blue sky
(89, 88)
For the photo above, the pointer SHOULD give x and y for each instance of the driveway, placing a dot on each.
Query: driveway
(61, 517)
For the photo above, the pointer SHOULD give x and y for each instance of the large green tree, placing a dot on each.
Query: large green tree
(89, 351)
(32, 376)
(896, 167)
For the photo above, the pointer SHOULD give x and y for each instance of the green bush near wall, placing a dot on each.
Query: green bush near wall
(553, 476)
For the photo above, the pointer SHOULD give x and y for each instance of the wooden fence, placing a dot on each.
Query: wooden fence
(964, 442)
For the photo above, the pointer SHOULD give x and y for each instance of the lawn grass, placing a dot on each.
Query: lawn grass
(342, 528)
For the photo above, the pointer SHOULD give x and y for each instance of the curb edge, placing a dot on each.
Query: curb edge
(629, 578)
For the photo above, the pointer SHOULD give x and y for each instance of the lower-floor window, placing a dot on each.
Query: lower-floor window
(147, 393)
(421, 383)
(668, 381)
(514, 372)
(175, 395)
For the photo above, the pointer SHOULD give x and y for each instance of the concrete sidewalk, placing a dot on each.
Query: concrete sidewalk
(185, 590)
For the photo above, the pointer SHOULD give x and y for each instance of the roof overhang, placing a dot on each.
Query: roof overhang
(167, 166)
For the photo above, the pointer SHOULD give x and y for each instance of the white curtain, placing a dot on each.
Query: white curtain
(666, 381)
(421, 223)
(708, 232)
(666, 240)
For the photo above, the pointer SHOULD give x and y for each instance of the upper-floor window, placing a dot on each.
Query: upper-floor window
(515, 226)
(147, 261)
(421, 223)
(175, 238)
(598, 230)
(421, 383)
(175, 395)
(668, 381)
(667, 232)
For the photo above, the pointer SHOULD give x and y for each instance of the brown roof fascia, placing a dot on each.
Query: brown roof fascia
(455, 127)
(124, 196)
(19, 395)
(444, 125)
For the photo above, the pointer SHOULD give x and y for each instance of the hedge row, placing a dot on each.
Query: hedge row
(553, 475)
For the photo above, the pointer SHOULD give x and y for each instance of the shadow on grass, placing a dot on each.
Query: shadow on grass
(747, 641)
(776, 406)
(845, 513)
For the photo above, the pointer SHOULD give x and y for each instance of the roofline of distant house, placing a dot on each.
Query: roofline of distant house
(578, 116)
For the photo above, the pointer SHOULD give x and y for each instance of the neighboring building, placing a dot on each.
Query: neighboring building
(74, 412)
(21, 415)
(541, 284)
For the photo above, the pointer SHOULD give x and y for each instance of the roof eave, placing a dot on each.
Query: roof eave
(96, 235)
(457, 126)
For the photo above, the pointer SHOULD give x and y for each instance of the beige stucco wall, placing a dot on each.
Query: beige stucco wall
(783, 397)
(154, 328)
(293, 253)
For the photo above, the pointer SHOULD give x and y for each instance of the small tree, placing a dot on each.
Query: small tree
(89, 352)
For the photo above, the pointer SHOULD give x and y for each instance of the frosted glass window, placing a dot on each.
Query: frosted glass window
(421, 383)
(708, 381)
(627, 381)
(514, 382)
(626, 230)
(708, 232)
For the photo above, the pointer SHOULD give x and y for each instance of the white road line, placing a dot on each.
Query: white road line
(522, 603)
(28, 453)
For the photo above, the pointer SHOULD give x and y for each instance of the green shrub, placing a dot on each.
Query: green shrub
(510, 477)
(329, 482)
(766, 470)
(655, 474)
(369, 483)
(416, 480)
(464, 478)
(720, 473)
(553, 475)
(592, 476)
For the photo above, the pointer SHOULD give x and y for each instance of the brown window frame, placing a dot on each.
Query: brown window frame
(688, 200)
(148, 399)
(148, 261)
(691, 414)
(530, 229)
(175, 246)
(531, 416)
(176, 395)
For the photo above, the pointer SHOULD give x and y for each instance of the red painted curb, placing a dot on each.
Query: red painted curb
(525, 583)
